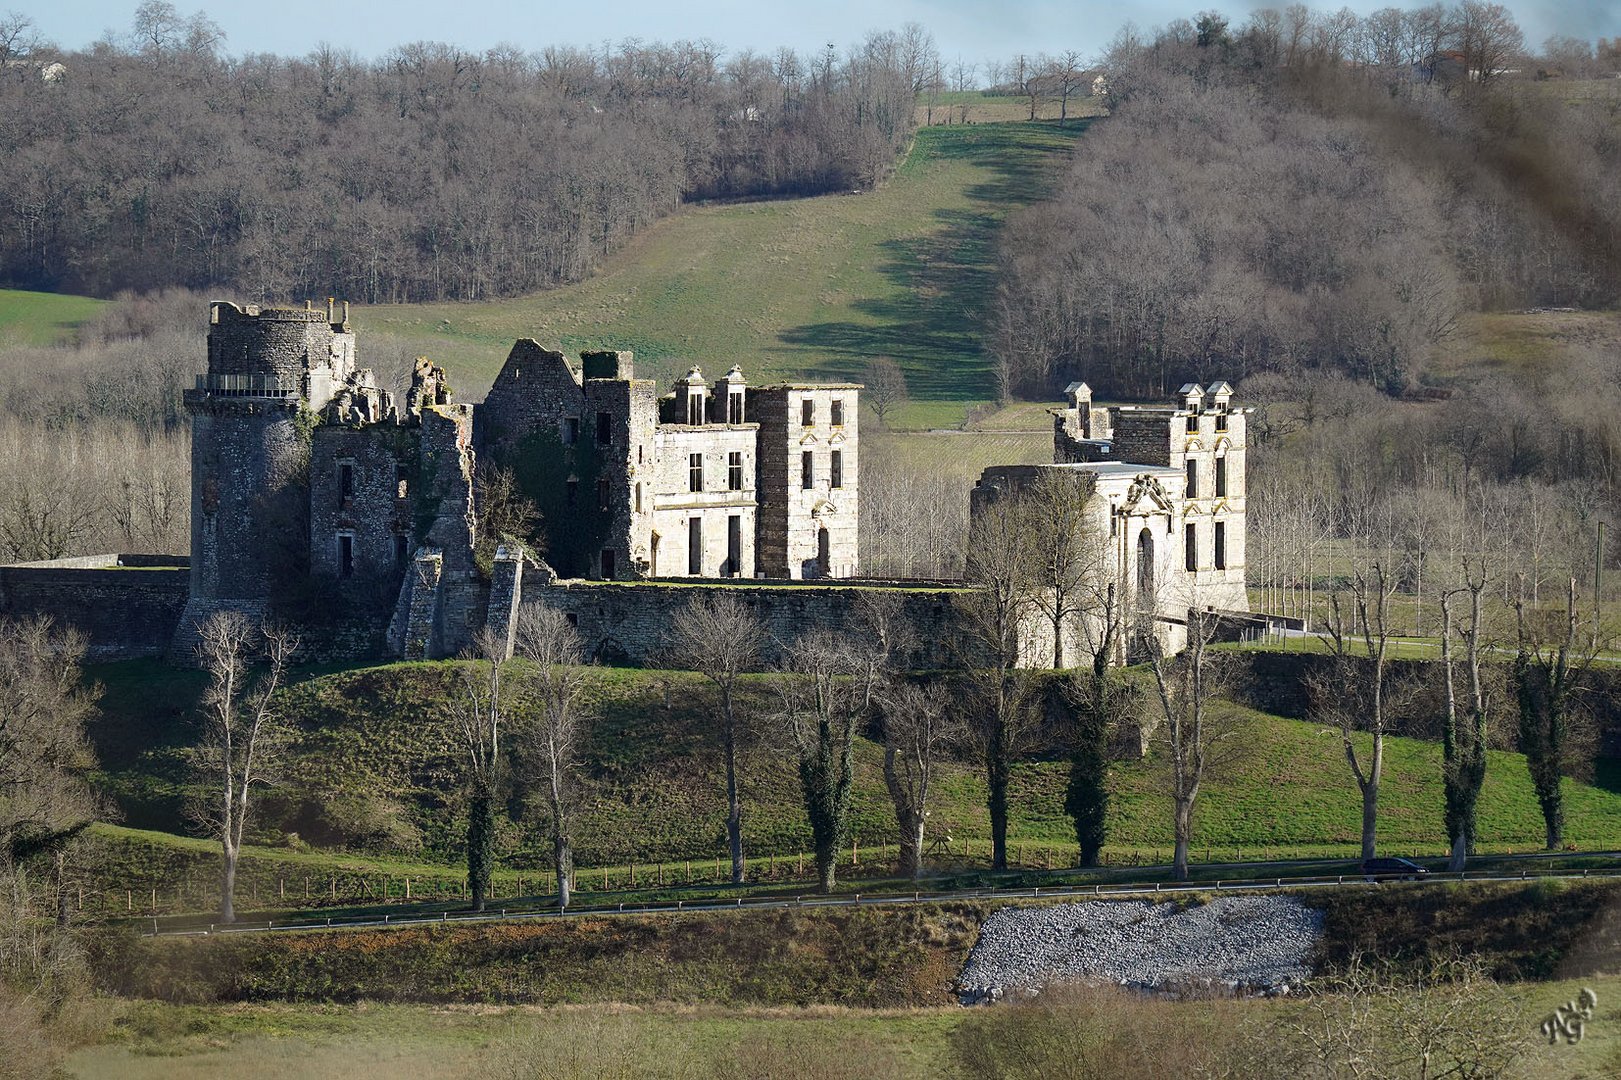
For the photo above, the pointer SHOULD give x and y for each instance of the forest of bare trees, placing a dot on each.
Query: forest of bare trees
(156, 159)
(1309, 191)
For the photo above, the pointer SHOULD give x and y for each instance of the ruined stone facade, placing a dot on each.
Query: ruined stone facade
(310, 480)
(1166, 513)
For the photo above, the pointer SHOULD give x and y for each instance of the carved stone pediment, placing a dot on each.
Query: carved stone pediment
(1147, 496)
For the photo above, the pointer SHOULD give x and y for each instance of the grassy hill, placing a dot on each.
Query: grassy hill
(803, 287)
(35, 318)
(374, 776)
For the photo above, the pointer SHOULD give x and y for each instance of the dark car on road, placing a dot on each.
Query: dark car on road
(1389, 869)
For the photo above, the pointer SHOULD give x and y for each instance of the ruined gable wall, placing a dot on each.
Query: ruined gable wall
(382, 458)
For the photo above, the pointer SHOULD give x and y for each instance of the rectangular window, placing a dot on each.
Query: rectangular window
(1193, 478)
(638, 498)
(346, 555)
(573, 492)
(835, 473)
(402, 550)
(695, 546)
(1221, 545)
(807, 413)
(838, 412)
(734, 471)
(571, 431)
(1221, 477)
(734, 408)
(605, 433)
(1221, 420)
(607, 564)
(695, 472)
(734, 545)
(602, 494)
(346, 481)
(807, 470)
(402, 482)
(1190, 547)
(1193, 423)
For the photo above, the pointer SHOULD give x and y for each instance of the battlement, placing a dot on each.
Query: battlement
(258, 352)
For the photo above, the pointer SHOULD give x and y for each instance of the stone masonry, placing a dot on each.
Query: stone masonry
(1167, 509)
(311, 481)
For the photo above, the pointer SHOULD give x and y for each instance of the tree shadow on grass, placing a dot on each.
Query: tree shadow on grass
(936, 323)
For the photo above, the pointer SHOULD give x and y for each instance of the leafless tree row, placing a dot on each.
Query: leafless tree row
(154, 158)
(79, 491)
(1343, 481)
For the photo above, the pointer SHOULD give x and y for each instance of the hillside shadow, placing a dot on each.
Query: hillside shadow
(936, 324)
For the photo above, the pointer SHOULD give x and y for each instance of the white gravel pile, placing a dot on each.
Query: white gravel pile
(1234, 943)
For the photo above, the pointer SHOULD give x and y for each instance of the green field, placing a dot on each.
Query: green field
(35, 318)
(801, 288)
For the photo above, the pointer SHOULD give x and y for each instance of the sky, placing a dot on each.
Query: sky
(972, 30)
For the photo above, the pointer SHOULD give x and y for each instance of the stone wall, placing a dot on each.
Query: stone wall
(1141, 437)
(127, 605)
(631, 623)
(375, 513)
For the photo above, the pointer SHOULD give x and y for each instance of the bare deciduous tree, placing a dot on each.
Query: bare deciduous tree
(825, 685)
(1001, 564)
(1357, 632)
(244, 735)
(720, 637)
(919, 726)
(1199, 736)
(1463, 747)
(558, 686)
(885, 388)
(45, 797)
(480, 713)
(1546, 666)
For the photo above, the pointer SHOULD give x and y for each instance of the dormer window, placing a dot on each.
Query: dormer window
(734, 408)
(695, 409)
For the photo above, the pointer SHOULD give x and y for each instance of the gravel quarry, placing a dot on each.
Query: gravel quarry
(1233, 944)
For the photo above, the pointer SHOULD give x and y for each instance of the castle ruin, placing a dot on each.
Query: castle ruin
(320, 500)
(303, 467)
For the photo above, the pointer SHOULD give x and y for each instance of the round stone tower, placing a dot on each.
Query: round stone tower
(250, 452)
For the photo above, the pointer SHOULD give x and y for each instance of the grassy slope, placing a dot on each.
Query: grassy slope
(374, 749)
(33, 318)
(802, 288)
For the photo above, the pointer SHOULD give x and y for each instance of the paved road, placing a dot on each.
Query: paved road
(1247, 884)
